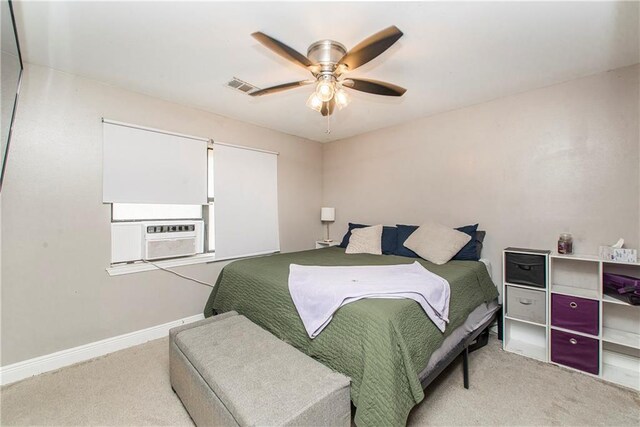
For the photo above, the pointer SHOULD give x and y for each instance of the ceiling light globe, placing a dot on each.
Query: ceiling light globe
(314, 102)
(325, 90)
(342, 98)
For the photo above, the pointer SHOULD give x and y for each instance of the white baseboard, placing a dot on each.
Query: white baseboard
(38, 365)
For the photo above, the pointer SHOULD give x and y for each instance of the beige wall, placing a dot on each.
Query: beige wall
(526, 167)
(56, 293)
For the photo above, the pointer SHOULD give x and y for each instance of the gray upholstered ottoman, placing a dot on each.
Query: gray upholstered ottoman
(229, 371)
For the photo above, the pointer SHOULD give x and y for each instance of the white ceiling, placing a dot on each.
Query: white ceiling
(452, 54)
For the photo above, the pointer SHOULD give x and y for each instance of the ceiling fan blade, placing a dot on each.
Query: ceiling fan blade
(375, 87)
(282, 49)
(328, 107)
(371, 47)
(280, 88)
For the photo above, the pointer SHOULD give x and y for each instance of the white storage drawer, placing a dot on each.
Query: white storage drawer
(526, 304)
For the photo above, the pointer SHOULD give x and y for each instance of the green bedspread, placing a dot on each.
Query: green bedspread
(382, 344)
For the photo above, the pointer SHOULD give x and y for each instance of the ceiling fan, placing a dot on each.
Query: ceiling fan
(328, 61)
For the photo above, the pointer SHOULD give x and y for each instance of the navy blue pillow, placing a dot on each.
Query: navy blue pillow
(404, 231)
(479, 239)
(347, 236)
(470, 251)
(389, 238)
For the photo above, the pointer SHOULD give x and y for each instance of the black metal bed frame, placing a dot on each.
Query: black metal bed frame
(472, 342)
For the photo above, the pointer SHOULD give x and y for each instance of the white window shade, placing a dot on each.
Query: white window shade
(246, 201)
(150, 166)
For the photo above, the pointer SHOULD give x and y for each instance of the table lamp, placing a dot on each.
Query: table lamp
(327, 215)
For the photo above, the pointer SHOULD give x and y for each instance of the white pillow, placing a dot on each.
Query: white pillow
(436, 242)
(367, 240)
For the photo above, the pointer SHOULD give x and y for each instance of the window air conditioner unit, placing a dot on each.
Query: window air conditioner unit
(155, 240)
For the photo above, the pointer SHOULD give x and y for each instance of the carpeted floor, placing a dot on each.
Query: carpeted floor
(131, 387)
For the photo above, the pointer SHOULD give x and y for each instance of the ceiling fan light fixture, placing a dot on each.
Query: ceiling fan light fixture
(342, 98)
(314, 102)
(327, 61)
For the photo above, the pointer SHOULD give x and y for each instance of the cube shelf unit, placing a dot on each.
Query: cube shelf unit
(616, 323)
(526, 336)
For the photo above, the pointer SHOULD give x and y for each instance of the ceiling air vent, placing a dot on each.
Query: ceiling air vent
(241, 85)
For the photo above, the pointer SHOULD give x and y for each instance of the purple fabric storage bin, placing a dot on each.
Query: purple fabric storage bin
(575, 351)
(577, 314)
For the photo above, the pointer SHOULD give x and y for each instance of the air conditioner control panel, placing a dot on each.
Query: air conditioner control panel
(170, 228)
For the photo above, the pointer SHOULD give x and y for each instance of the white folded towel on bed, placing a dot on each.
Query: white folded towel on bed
(318, 292)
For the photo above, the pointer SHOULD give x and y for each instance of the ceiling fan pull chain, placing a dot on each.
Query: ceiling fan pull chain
(328, 124)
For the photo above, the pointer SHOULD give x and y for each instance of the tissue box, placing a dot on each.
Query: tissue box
(619, 255)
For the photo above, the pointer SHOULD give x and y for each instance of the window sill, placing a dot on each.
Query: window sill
(136, 267)
(139, 266)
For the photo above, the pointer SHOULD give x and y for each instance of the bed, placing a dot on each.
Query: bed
(388, 347)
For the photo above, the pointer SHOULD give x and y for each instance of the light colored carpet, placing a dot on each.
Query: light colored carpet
(131, 387)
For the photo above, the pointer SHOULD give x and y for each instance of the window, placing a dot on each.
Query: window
(152, 212)
(246, 201)
(167, 178)
(139, 212)
(159, 185)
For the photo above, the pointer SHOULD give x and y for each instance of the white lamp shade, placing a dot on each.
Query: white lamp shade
(328, 214)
